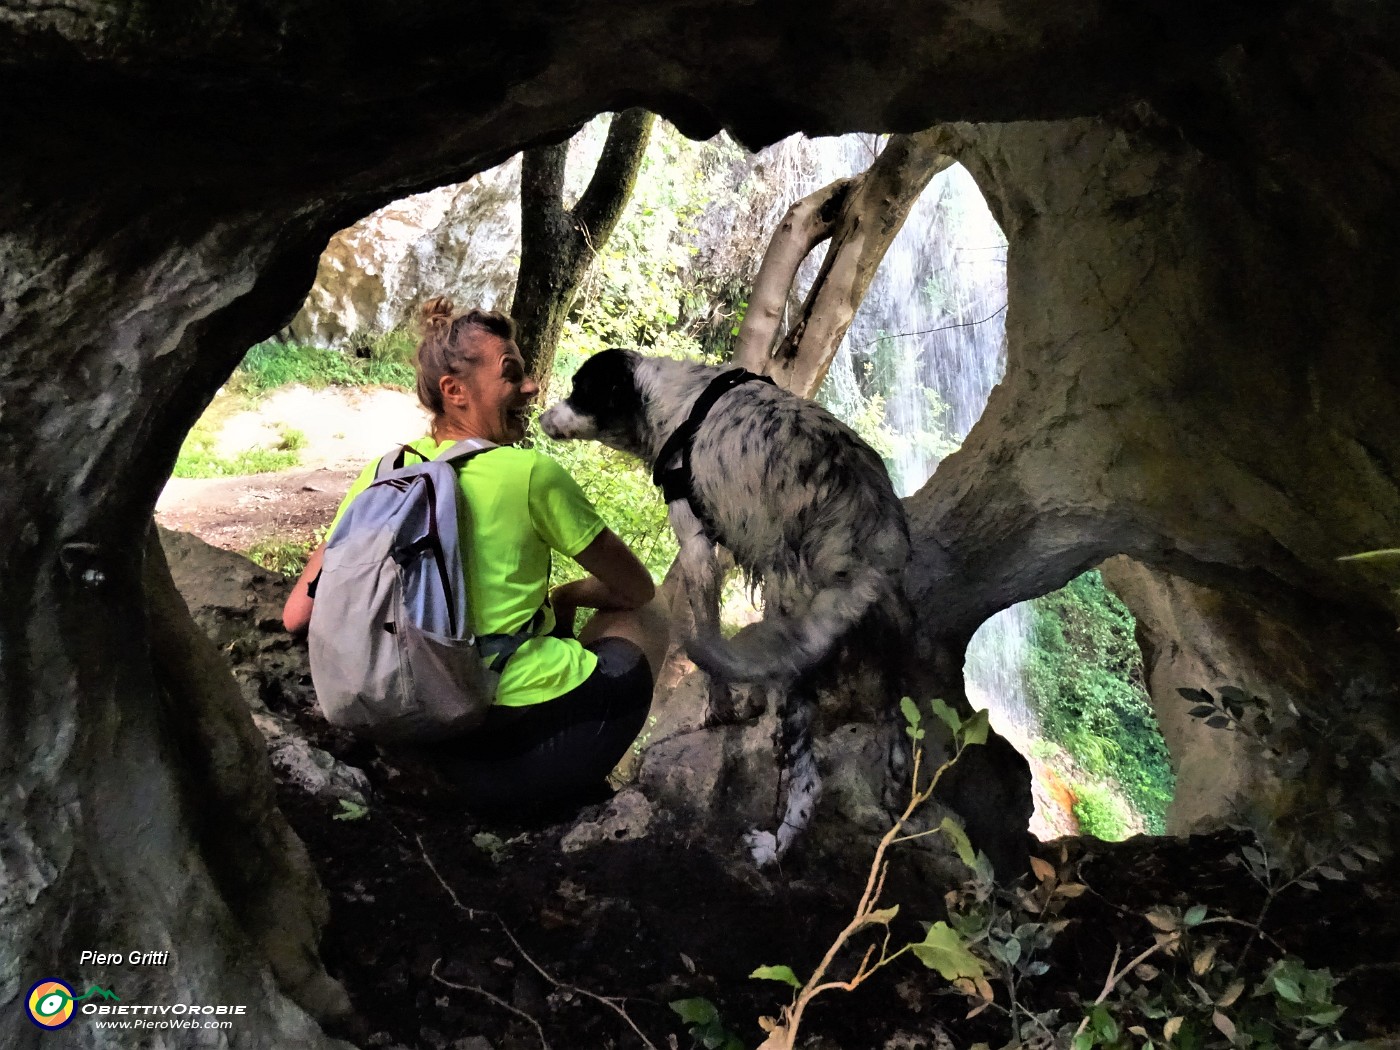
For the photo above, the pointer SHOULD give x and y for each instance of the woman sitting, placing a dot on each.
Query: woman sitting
(566, 709)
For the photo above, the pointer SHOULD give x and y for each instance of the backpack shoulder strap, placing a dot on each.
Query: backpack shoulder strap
(465, 450)
(396, 458)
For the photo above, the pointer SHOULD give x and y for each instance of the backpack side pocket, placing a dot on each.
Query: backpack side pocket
(451, 686)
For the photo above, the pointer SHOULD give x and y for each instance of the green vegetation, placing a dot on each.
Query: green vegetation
(1100, 813)
(622, 490)
(640, 292)
(1084, 679)
(198, 459)
(637, 296)
(381, 360)
(283, 555)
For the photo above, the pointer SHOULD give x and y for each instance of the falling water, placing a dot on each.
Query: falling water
(930, 336)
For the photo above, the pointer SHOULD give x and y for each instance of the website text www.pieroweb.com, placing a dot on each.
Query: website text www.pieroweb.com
(54, 1003)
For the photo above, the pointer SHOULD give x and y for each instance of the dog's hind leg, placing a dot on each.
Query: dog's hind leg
(701, 576)
(797, 708)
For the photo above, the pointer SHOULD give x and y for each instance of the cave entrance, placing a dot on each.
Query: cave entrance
(264, 470)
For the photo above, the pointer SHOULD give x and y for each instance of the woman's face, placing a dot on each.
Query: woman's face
(495, 392)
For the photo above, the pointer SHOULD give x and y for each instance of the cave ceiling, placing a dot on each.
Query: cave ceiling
(322, 105)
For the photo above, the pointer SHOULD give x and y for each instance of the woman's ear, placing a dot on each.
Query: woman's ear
(454, 391)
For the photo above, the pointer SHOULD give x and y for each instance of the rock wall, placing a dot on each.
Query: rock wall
(1191, 637)
(1186, 338)
(1301, 658)
(461, 241)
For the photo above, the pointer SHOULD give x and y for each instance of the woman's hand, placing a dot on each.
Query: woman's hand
(565, 612)
(619, 580)
(296, 614)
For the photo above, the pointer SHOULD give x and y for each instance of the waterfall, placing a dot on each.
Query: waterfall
(918, 364)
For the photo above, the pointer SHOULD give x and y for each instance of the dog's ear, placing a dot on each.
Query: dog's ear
(605, 385)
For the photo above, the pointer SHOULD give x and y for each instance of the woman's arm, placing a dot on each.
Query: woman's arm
(296, 614)
(619, 581)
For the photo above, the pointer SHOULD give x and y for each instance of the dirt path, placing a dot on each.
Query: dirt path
(344, 429)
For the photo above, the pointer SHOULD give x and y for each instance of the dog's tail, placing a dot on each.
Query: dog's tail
(783, 646)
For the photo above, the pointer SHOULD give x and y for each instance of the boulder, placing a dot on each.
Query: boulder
(461, 241)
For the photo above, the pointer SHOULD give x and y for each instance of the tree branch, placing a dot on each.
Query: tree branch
(872, 215)
(804, 226)
(557, 245)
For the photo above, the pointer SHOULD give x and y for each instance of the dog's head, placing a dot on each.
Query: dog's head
(604, 405)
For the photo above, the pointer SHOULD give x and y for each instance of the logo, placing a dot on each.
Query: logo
(50, 1002)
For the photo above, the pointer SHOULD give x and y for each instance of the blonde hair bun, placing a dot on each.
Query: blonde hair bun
(436, 312)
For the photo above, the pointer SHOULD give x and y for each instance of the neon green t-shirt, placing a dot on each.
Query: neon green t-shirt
(519, 505)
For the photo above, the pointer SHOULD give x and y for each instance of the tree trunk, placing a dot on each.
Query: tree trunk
(872, 209)
(557, 244)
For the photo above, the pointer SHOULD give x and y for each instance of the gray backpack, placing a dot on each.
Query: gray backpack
(393, 653)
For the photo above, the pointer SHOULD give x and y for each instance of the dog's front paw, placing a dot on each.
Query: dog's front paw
(721, 708)
(763, 847)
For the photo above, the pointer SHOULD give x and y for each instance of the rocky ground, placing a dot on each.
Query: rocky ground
(580, 930)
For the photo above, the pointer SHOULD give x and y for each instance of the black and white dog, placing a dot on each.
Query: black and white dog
(801, 502)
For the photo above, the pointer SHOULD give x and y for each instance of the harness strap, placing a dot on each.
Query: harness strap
(677, 482)
(496, 649)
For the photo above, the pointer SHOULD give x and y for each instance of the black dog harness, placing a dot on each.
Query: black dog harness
(676, 482)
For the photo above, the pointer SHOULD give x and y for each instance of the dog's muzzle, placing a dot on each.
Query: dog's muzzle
(562, 423)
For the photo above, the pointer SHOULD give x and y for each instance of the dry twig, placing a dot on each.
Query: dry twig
(611, 1002)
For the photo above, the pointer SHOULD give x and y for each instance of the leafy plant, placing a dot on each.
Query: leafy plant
(285, 556)
(386, 361)
(706, 1027)
(198, 459)
(1100, 813)
(1338, 773)
(942, 949)
(1084, 681)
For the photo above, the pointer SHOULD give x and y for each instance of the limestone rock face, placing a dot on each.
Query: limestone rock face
(1300, 658)
(1190, 638)
(1176, 391)
(461, 241)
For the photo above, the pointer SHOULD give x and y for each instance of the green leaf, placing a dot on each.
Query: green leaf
(943, 949)
(1388, 554)
(1194, 915)
(955, 832)
(1008, 951)
(1104, 1024)
(695, 1011)
(975, 729)
(1326, 1016)
(777, 973)
(1288, 989)
(946, 713)
(911, 712)
(351, 810)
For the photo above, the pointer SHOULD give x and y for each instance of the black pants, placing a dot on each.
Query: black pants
(522, 759)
